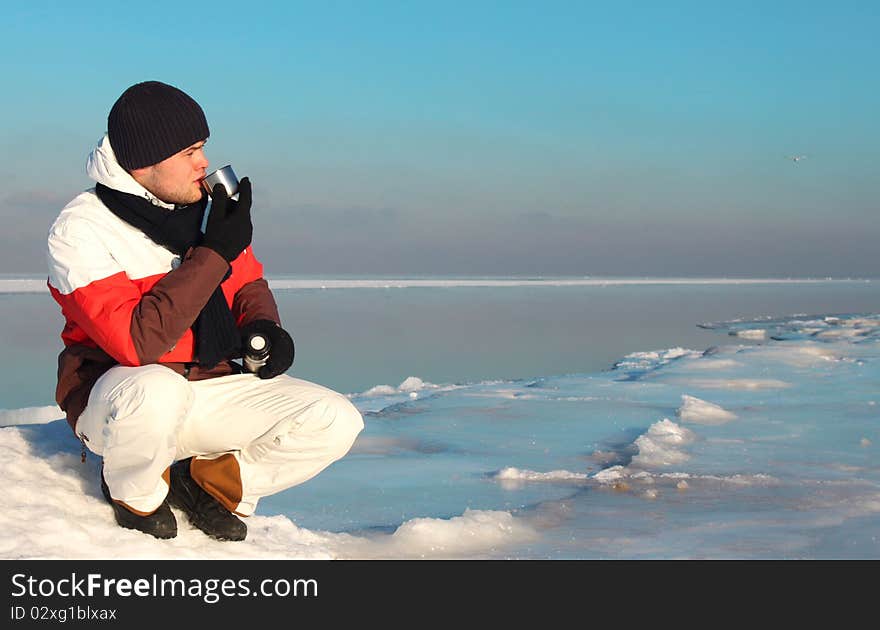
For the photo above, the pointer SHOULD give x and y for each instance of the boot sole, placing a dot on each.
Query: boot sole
(160, 536)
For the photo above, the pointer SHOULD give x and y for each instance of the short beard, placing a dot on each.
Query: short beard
(184, 201)
(171, 197)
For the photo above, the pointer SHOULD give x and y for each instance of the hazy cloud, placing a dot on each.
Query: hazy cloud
(27, 216)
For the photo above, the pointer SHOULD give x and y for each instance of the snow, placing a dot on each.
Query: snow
(766, 450)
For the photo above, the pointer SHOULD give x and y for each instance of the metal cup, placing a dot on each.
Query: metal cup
(225, 176)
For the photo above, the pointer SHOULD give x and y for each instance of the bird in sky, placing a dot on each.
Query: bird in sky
(796, 158)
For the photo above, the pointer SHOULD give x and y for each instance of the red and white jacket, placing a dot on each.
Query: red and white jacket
(127, 300)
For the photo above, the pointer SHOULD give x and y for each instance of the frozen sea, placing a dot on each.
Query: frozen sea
(521, 418)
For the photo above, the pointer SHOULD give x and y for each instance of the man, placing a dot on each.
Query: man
(155, 309)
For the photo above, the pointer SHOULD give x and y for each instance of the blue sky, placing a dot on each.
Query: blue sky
(481, 137)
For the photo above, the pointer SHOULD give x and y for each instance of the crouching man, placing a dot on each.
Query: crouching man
(155, 308)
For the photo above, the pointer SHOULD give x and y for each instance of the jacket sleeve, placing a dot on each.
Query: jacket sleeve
(255, 301)
(134, 327)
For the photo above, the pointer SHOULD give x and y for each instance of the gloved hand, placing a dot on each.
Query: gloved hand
(229, 229)
(281, 348)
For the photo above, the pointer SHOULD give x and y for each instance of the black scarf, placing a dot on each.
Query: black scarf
(177, 230)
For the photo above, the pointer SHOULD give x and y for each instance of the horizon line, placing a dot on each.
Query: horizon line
(24, 284)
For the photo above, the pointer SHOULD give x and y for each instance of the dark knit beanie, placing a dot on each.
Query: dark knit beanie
(152, 121)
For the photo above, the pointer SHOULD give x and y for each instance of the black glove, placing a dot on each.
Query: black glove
(280, 346)
(229, 228)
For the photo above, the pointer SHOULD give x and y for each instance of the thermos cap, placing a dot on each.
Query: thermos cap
(257, 342)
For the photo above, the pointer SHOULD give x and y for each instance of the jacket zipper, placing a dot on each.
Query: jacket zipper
(82, 440)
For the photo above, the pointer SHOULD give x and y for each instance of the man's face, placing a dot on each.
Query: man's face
(176, 179)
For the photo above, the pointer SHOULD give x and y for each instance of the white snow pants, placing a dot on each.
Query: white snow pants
(248, 437)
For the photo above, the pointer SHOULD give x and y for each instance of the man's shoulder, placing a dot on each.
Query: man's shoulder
(86, 218)
(79, 214)
(80, 233)
(87, 242)
(81, 243)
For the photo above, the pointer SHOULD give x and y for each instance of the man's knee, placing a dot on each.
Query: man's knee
(344, 423)
(153, 392)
